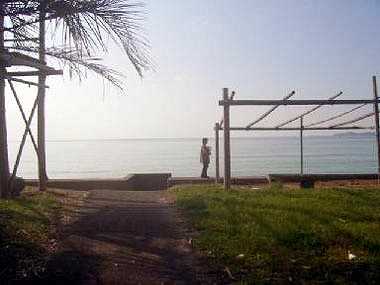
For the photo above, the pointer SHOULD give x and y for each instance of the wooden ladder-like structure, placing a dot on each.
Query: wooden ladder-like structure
(26, 66)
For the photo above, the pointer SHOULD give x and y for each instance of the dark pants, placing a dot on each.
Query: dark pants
(204, 170)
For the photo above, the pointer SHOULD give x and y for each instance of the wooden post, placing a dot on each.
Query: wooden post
(227, 151)
(217, 176)
(4, 160)
(301, 143)
(376, 109)
(41, 103)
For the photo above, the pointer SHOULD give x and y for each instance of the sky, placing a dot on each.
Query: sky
(260, 49)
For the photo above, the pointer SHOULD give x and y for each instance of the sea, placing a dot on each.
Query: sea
(180, 157)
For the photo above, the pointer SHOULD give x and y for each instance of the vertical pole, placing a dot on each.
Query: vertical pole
(4, 160)
(41, 103)
(376, 109)
(227, 154)
(301, 143)
(217, 177)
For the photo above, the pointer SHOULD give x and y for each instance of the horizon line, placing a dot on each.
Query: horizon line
(186, 138)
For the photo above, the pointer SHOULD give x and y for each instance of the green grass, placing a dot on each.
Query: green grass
(25, 232)
(287, 235)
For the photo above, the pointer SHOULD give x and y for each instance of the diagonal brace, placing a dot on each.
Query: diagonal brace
(24, 139)
(23, 115)
(262, 117)
(307, 112)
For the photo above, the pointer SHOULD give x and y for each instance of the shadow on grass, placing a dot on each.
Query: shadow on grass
(26, 254)
(22, 261)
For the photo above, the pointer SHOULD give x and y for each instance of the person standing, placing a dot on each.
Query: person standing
(205, 157)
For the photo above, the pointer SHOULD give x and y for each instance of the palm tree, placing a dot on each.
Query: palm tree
(83, 27)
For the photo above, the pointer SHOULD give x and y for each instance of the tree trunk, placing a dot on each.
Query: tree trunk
(4, 161)
(41, 105)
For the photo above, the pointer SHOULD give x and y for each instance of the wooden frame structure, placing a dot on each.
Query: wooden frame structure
(228, 102)
(41, 70)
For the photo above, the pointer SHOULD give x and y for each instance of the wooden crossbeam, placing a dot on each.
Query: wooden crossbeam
(307, 112)
(263, 116)
(26, 82)
(298, 128)
(336, 116)
(21, 40)
(361, 118)
(293, 102)
(34, 73)
(13, 31)
(20, 59)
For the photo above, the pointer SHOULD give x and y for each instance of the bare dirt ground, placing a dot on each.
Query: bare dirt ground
(130, 237)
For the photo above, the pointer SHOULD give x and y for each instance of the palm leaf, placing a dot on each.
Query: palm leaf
(85, 26)
(79, 65)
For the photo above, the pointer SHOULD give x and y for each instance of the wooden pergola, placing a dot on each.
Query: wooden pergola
(228, 102)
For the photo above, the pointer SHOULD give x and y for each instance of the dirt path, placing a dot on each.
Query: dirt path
(132, 238)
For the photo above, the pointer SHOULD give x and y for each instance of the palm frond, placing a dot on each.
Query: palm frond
(79, 65)
(87, 22)
(85, 26)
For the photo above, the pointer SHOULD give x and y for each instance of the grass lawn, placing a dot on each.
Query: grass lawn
(277, 235)
(26, 235)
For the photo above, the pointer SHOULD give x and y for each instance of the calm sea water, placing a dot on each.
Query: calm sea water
(250, 156)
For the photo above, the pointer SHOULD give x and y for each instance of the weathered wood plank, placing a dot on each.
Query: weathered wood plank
(294, 102)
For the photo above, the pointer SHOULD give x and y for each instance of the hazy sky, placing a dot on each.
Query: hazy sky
(261, 49)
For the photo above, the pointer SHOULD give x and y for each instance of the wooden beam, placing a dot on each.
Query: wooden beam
(21, 40)
(27, 82)
(307, 112)
(21, 35)
(34, 73)
(336, 116)
(297, 128)
(376, 111)
(293, 102)
(263, 116)
(20, 59)
(361, 118)
(227, 150)
(217, 176)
